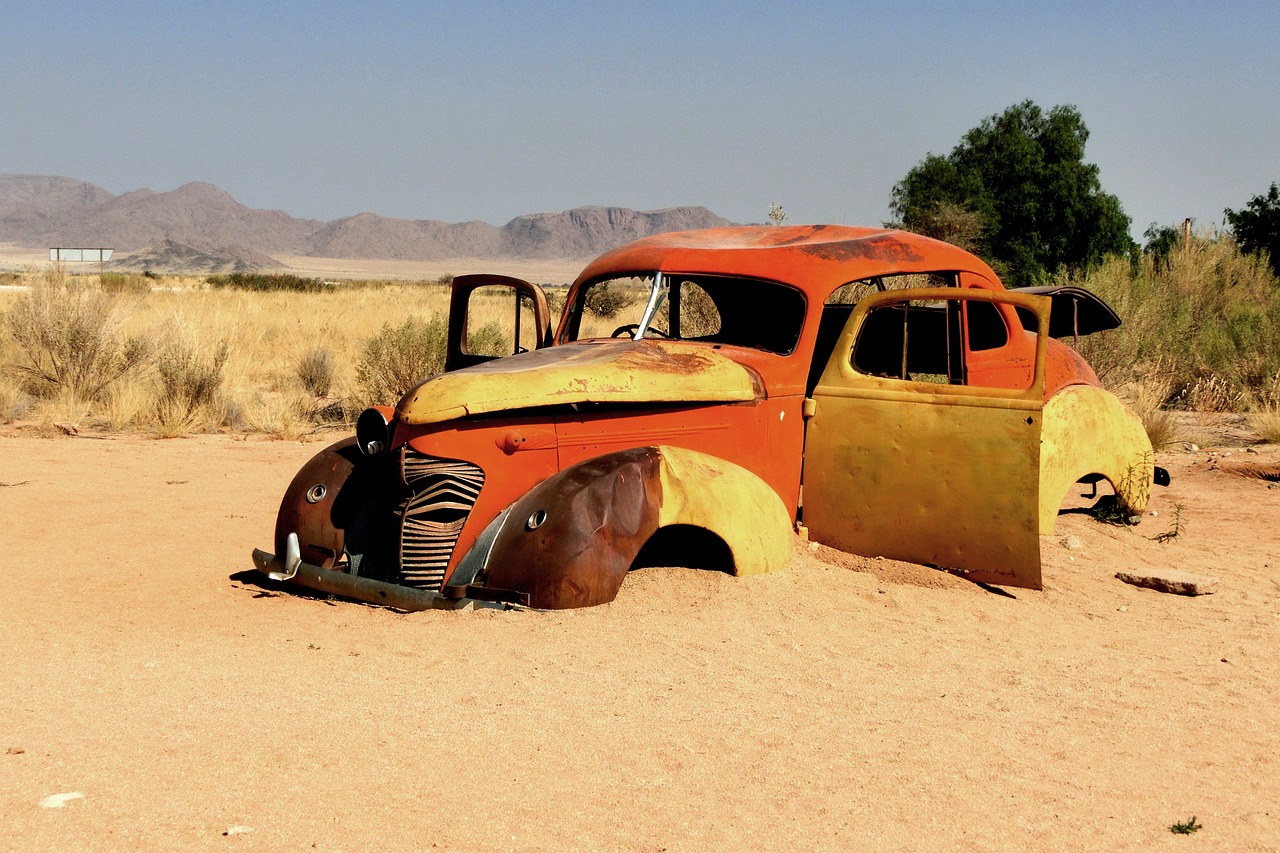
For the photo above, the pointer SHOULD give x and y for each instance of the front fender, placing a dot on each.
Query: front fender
(341, 503)
(570, 540)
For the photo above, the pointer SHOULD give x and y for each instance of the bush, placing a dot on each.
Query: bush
(489, 339)
(399, 357)
(68, 340)
(123, 282)
(270, 281)
(315, 370)
(189, 381)
(605, 300)
(1205, 320)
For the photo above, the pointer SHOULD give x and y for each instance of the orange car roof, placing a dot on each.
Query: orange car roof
(816, 258)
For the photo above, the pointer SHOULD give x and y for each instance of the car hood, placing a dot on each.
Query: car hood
(645, 371)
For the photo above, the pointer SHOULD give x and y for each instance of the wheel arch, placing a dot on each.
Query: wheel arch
(570, 540)
(1086, 430)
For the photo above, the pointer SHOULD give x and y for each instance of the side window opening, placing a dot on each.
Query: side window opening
(500, 322)
(986, 327)
(912, 341)
(839, 305)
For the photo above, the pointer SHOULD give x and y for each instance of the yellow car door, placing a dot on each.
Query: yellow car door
(911, 455)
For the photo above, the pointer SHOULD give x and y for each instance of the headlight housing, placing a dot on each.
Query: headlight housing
(373, 431)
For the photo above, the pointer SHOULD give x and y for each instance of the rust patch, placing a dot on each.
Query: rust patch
(885, 247)
(570, 541)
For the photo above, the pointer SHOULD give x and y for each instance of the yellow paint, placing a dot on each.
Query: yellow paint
(945, 475)
(1088, 431)
(731, 502)
(623, 371)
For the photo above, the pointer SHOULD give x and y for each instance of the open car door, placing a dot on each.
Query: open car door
(924, 444)
(491, 316)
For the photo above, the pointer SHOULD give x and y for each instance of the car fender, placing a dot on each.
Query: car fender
(1087, 430)
(570, 541)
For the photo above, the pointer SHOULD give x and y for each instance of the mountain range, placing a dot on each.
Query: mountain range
(200, 225)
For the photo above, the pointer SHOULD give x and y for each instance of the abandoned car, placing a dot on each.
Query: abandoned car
(705, 395)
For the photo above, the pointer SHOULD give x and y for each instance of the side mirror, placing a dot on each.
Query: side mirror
(491, 316)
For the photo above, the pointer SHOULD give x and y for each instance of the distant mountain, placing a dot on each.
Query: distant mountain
(39, 211)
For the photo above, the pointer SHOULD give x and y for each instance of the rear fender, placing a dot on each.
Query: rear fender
(570, 541)
(1087, 430)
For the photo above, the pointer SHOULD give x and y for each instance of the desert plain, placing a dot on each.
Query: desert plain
(845, 703)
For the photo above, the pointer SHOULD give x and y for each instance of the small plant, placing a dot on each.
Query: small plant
(1173, 532)
(399, 357)
(315, 370)
(777, 215)
(1186, 827)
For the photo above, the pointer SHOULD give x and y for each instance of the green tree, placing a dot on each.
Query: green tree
(1018, 191)
(1257, 226)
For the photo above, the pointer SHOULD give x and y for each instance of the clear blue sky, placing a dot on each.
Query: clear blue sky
(478, 110)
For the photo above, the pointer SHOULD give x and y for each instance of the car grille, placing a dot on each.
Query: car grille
(444, 491)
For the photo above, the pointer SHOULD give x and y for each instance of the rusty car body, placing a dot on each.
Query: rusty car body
(704, 395)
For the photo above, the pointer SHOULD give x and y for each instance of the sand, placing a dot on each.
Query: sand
(846, 703)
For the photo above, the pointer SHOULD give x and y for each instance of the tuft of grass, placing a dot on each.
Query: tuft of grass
(1186, 827)
(316, 371)
(399, 357)
(68, 340)
(1266, 422)
(285, 416)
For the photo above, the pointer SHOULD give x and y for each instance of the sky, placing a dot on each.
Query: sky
(483, 110)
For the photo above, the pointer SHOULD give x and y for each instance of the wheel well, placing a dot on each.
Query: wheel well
(685, 545)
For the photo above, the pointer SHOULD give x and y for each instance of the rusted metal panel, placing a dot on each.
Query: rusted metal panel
(647, 371)
(572, 539)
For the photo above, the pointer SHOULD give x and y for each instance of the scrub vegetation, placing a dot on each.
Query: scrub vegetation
(172, 355)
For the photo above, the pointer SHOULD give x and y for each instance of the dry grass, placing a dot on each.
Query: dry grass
(1201, 334)
(1207, 320)
(1266, 422)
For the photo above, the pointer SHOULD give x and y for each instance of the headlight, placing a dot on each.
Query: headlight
(373, 432)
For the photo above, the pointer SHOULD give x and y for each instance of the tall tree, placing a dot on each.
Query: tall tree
(1257, 226)
(1032, 202)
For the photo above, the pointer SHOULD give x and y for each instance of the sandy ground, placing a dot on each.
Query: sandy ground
(843, 704)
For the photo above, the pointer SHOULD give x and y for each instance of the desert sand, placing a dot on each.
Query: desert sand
(846, 703)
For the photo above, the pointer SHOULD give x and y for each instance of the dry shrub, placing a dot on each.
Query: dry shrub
(14, 402)
(281, 414)
(606, 300)
(190, 377)
(489, 339)
(67, 338)
(316, 371)
(399, 357)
